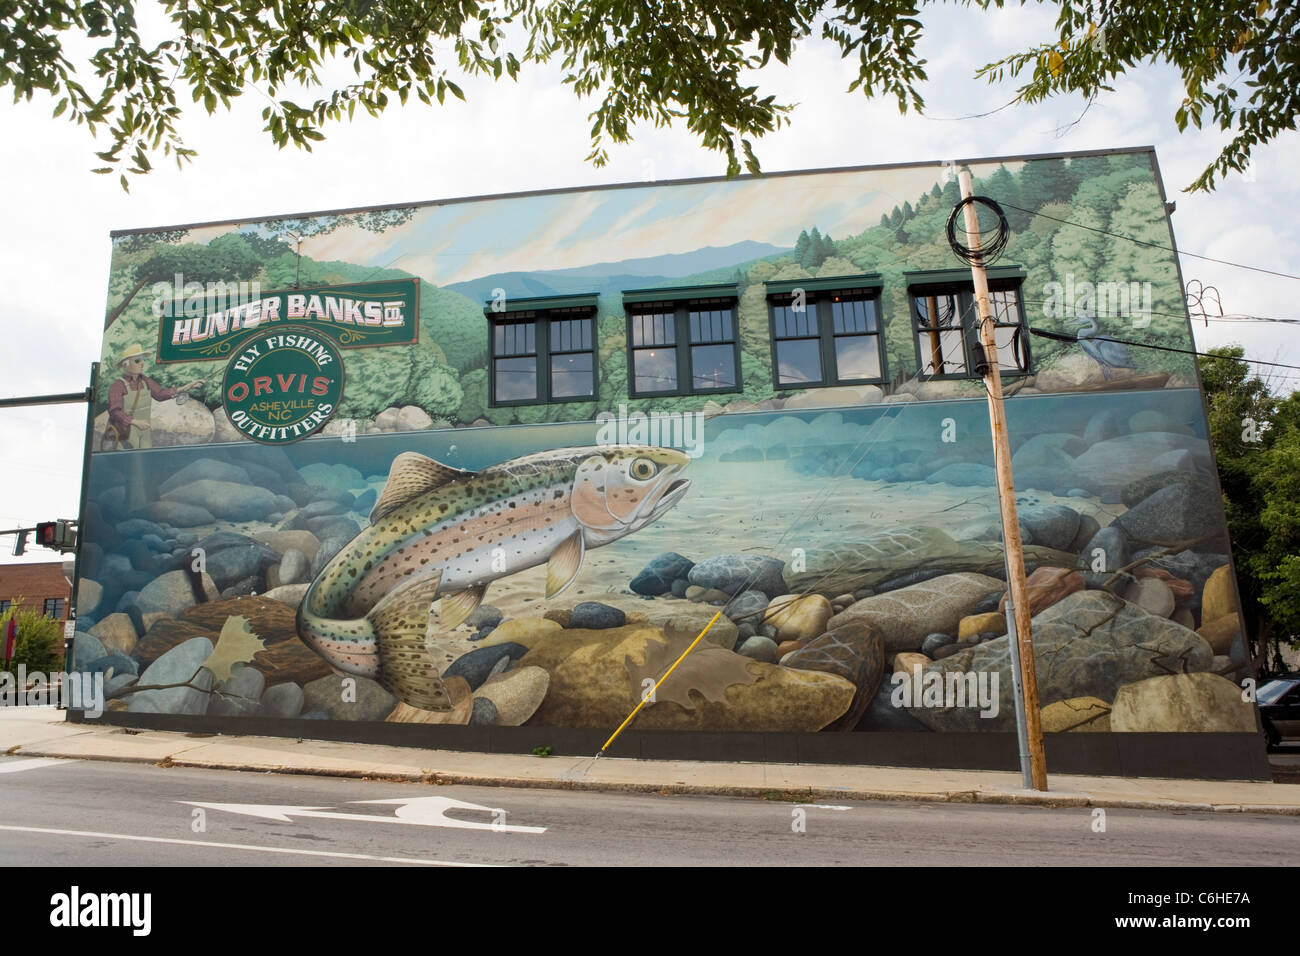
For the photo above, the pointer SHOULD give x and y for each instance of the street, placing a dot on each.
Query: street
(96, 813)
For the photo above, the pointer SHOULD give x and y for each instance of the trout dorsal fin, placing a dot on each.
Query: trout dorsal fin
(412, 475)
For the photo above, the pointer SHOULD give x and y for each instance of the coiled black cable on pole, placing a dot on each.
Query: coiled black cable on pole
(989, 249)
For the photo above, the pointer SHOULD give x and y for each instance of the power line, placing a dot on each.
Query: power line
(1062, 337)
(1154, 245)
(1198, 318)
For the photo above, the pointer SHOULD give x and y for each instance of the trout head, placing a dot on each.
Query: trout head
(620, 489)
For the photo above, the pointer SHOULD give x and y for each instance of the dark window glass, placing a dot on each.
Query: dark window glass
(572, 375)
(516, 379)
(547, 357)
(54, 607)
(939, 334)
(947, 325)
(713, 366)
(655, 370)
(683, 349)
(516, 338)
(833, 339)
(857, 357)
(1006, 316)
(798, 344)
(799, 361)
(5, 605)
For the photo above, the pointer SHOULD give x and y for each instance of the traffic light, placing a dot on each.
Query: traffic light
(58, 535)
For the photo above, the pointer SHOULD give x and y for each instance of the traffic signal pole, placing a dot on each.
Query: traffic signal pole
(1020, 634)
(62, 542)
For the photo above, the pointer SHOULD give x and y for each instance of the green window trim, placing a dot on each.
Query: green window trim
(553, 334)
(582, 300)
(870, 280)
(695, 323)
(828, 338)
(677, 293)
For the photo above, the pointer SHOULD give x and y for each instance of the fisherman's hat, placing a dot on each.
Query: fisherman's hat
(131, 352)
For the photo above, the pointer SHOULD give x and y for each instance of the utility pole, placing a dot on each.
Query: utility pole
(1019, 633)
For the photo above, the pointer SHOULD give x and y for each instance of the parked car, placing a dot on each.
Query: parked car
(1279, 706)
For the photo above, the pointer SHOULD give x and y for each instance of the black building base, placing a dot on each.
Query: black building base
(1193, 756)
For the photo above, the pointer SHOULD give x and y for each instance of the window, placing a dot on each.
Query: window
(682, 341)
(825, 332)
(945, 321)
(544, 350)
(5, 606)
(54, 608)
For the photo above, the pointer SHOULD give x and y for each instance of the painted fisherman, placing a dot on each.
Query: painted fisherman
(129, 402)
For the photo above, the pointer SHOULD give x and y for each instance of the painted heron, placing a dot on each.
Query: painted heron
(1109, 355)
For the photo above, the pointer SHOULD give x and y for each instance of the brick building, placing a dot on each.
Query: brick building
(43, 587)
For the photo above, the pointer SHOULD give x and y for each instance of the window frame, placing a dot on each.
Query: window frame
(958, 283)
(863, 288)
(542, 312)
(680, 303)
(60, 605)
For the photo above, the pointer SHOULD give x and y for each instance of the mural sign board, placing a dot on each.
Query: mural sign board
(356, 315)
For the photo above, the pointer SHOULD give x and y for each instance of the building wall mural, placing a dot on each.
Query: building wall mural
(426, 557)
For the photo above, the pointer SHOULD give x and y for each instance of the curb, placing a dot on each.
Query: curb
(1051, 801)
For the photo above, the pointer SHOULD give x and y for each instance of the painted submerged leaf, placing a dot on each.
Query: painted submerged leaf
(707, 671)
(236, 645)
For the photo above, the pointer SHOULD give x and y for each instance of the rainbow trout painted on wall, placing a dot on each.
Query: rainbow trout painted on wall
(439, 532)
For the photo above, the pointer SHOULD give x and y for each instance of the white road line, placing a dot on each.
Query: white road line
(18, 766)
(237, 846)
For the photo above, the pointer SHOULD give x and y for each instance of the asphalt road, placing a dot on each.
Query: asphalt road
(90, 813)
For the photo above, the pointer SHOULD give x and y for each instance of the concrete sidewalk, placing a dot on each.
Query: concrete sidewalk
(42, 732)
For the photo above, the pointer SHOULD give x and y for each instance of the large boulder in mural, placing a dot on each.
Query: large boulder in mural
(172, 423)
(225, 499)
(854, 652)
(842, 567)
(905, 617)
(184, 684)
(1109, 466)
(596, 678)
(170, 595)
(1090, 644)
(1177, 512)
(1182, 703)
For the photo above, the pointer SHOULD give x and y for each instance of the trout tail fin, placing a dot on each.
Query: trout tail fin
(400, 620)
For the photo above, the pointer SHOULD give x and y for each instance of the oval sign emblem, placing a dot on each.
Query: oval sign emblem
(283, 386)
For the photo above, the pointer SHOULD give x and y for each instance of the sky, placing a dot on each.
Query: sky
(533, 134)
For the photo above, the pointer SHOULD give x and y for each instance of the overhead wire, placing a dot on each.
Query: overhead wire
(1145, 242)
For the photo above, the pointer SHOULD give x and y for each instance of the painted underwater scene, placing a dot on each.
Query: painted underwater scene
(557, 570)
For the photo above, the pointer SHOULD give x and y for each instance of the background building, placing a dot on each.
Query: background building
(46, 588)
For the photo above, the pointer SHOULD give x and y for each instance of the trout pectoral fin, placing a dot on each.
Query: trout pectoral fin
(458, 605)
(565, 562)
(412, 475)
(401, 620)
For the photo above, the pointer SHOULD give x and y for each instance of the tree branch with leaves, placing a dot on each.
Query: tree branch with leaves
(642, 61)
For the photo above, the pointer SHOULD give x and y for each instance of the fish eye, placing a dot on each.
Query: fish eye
(642, 469)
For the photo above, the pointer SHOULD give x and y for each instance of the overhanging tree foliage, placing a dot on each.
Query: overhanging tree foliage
(1256, 438)
(642, 60)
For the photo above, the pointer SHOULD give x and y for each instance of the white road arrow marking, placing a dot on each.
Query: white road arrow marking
(417, 811)
(18, 766)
